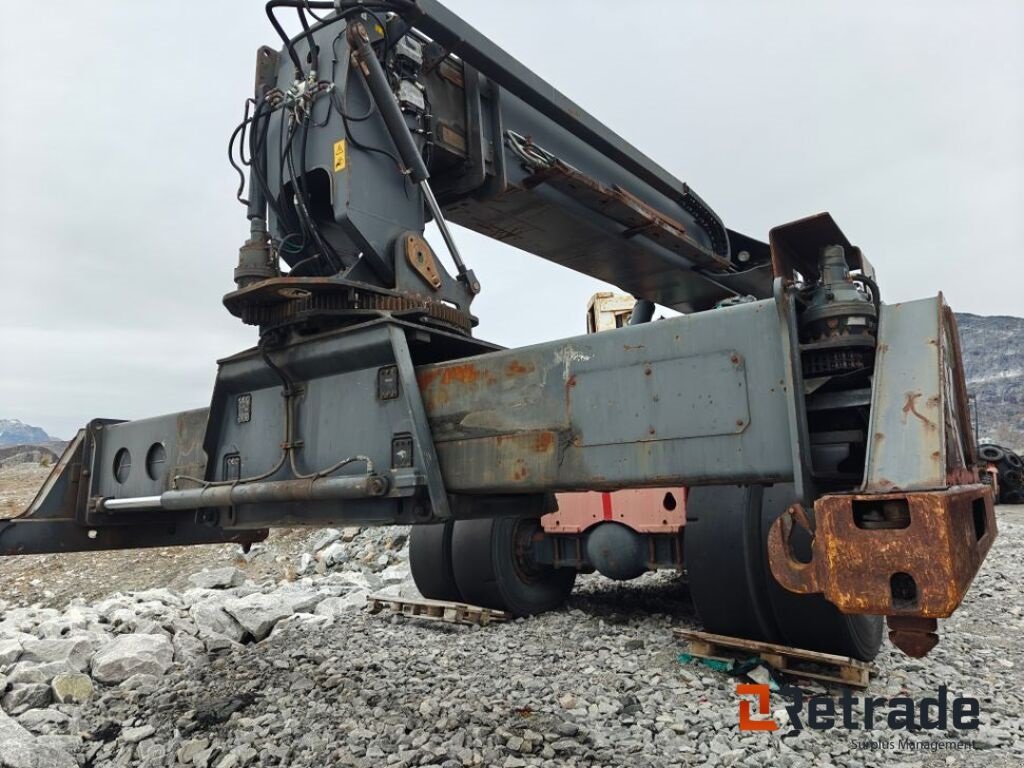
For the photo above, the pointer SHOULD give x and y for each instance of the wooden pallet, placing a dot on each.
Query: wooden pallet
(797, 662)
(436, 610)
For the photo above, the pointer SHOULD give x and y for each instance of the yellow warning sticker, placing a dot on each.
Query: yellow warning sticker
(339, 155)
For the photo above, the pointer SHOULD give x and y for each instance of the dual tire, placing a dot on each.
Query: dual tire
(487, 562)
(731, 583)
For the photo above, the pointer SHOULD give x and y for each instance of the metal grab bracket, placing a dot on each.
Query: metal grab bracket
(905, 556)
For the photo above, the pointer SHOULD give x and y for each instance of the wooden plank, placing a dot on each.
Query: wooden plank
(436, 610)
(827, 667)
(756, 645)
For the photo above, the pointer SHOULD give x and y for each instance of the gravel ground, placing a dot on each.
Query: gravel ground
(18, 486)
(280, 665)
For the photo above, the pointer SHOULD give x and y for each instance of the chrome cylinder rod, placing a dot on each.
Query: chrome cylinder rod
(310, 489)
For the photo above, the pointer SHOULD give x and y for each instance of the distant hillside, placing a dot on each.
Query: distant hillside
(14, 432)
(993, 349)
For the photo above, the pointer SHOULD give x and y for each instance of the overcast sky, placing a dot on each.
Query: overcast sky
(120, 230)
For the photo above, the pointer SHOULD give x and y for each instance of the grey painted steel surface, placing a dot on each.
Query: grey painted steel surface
(691, 400)
(796, 407)
(916, 436)
(372, 204)
(60, 518)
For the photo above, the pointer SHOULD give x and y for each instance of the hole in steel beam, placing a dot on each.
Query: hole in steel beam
(904, 590)
(670, 502)
(122, 465)
(980, 517)
(156, 457)
(884, 514)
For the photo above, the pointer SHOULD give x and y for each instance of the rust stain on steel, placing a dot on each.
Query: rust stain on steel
(535, 442)
(523, 459)
(917, 562)
(516, 368)
(436, 382)
(910, 406)
(462, 373)
(519, 470)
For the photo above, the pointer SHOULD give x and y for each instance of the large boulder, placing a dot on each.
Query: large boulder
(20, 749)
(212, 620)
(218, 578)
(30, 672)
(298, 598)
(74, 651)
(258, 613)
(72, 687)
(10, 650)
(333, 607)
(128, 655)
(324, 538)
(24, 696)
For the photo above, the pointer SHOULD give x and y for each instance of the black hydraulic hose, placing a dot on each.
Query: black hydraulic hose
(345, 8)
(642, 312)
(387, 106)
(289, 46)
(314, 50)
(330, 255)
(876, 294)
(257, 167)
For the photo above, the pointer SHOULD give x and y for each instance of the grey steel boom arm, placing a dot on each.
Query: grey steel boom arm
(368, 399)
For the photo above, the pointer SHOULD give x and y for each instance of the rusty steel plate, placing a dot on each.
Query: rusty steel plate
(906, 556)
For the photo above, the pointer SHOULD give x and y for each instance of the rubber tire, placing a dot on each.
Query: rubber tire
(483, 560)
(991, 453)
(732, 587)
(430, 560)
(1013, 461)
(811, 621)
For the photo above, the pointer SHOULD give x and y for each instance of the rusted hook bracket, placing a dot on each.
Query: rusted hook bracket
(908, 556)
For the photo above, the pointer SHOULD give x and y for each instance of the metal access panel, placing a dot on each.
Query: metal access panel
(677, 395)
(698, 399)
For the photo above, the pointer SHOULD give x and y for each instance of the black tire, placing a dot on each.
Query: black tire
(489, 571)
(1012, 478)
(732, 587)
(811, 621)
(1012, 497)
(720, 550)
(430, 560)
(1013, 461)
(991, 453)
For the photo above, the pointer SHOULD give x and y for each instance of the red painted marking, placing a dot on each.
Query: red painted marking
(606, 505)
